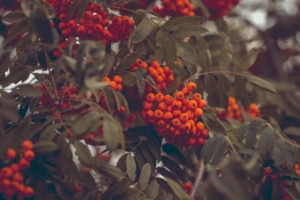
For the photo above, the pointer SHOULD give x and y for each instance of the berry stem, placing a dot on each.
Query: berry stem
(198, 178)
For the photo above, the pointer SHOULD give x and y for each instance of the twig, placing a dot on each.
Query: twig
(198, 179)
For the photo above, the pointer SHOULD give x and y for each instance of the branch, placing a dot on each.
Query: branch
(198, 179)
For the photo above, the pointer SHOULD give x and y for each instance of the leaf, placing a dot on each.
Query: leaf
(131, 167)
(83, 124)
(211, 88)
(45, 147)
(4, 62)
(284, 153)
(122, 162)
(27, 90)
(149, 78)
(16, 75)
(84, 154)
(177, 189)
(200, 88)
(174, 167)
(109, 99)
(49, 133)
(19, 29)
(160, 53)
(148, 155)
(111, 171)
(173, 152)
(116, 190)
(292, 191)
(189, 31)
(252, 132)
(10, 113)
(15, 17)
(292, 130)
(211, 121)
(140, 73)
(110, 134)
(186, 52)
(161, 37)
(41, 25)
(209, 149)
(242, 131)
(129, 79)
(222, 25)
(170, 53)
(261, 83)
(247, 60)
(276, 191)
(267, 188)
(154, 143)
(81, 9)
(125, 65)
(142, 30)
(225, 57)
(153, 189)
(182, 22)
(241, 91)
(72, 8)
(224, 84)
(181, 72)
(144, 177)
(139, 157)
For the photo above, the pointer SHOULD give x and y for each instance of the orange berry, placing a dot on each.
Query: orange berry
(119, 87)
(118, 79)
(18, 177)
(14, 167)
(167, 70)
(122, 110)
(106, 79)
(158, 114)
(200, 141)
(159, 97)
(186, 91)
(153, 72)
(176, 104)
(169, 109)
(143, 114)
(176, 122)
(177, 132)
(192, 105)
(183, 117)
(150, 113)
(23, 163)
(77, 188)
(176, 113)
(162, 106)
(231, 100)
(113, 85)
(191, 86)
(179, 96)
(6, 182)
(202, 104)
(204, 133)
(147, 105)
(198, 112)
(160, 71)
(159, 79)
(200, 126)
(169, 99)
(29, 155)
(191, 141)
(28, 192)
(184, 108)
(27, 145)
(11, 153)
(155, 64)
(143, 65)
(190, 114)
(161, 123)
(150, 97)
(170, 79)
(168, 116)
(6, 172)
(132, 117)
(197, 97)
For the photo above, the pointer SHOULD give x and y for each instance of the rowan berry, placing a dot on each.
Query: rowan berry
(197, 97)
(191, 86)
(62, 17)
(158, 114)
(168, 116)
(199, 126)
(62, 25)
(176, 122)
(162, 106)
(14, 167)
(176, 113)
(28, 192)
(143, 65)
(161, 123)
(150, 97)
(11, 153)
(176, 104)
(23, 163)
(202, 104)
(159, 97)
(6, 172)
(179, 96)
(231, 101)
(204, 133)
(72, 24)
(66, 32)
(119, 87)
(183, 117)
(81, 30)
(113, 85)
(200, 141)
(118, 79)
(27, 145)
(106, 79)
(192, 105)
(169, 99)
(18, 177)
(191, 141)
(198, 112)
(147, 105)
(29, 155)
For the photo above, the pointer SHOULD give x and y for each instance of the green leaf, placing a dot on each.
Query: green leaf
(153, 189)
(49, 133)
(129, 79)
(247, 60)
(283, 152)
(224, 84)
(139, 157)
(200, 87)
(186, 52)
(161, 37)
(154, 143)
(160, 52)
(84, 154)
(111, 171)
(181, 72)
(261, 83)
(27, 90)
(149, 78)
(292, 130)
(242, 131)
(15, 17)
(125, 65)
(144, 177)
(189, 31)
(165, 197)
(241, 91)
(292, 191)
(148, 155)
(16, 75)
(181, 22)
(117, 190)
(211, 121)
(142, 30)
(170, 53)
(252, 132)
(131, 167)
(211, 147)
(72, 8)
(174, 167)
(110, 134)
(166, 173)
(45, 147)
(140, 73)
(225, 57)
(174, 153)
(82, 8)
(109, 99)
(177, 189)
(222, 25)
(4, 62)
(19, 29)
(211, 86)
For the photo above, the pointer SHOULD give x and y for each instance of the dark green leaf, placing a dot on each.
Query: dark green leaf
(178, 190)
(15, 17)
(160, 52)
(153, 189)
(109, 99)
(118, 189)
(224, 84)
(247, 60)
(151, 80)
(252, 132)
(121, 164)
(154, 143)
(186, 52)
(16, 75)
(267, 188)
(170, 53)
(49, 133)
(284, 152)
(242, 131)
(131, 167)
(111, 171)
(81, 9)
(164, 185)
(148, 155)
(165, 197)
(261, 83)
(211, 121)
(181, 72)
(84, 154)
(200, 87)
(19, 29)
(181, 22)
(140, 73)
(241, 91)
(189, 31)
(166, 173)
(161, 37)
(142, 30)
(128, 62)
(222, 25)
(71, 9)
(139, 157)
(276, 191)
(144, 177)
(27, 90)
(174, 167)
(45, 147)
(173, 152)
(4, 62)
(292, 130)
(129, 79)
(10, 113)
(211, 88)
(209, 150)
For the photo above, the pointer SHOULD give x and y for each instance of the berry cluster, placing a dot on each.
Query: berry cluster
(187, 186)
(94, 23)
(175, 8)
(219, 8)
(176, 119)
(115, 84)
(11, 177)
(234, 111)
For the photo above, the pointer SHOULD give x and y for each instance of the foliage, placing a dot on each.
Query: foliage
(168, 95)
